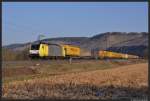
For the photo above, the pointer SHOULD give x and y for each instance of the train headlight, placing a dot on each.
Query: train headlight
(34, 51)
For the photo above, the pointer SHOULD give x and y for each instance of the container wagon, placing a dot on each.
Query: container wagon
(108, 54)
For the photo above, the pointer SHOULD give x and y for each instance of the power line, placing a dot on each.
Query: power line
(15, 28)
(22, 26)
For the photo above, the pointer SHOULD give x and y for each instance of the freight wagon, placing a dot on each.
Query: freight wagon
(108, 54)
(44, 50)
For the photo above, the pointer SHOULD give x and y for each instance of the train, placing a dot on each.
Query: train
(47, 50)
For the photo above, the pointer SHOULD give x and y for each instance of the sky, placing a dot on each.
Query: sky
(24, 21)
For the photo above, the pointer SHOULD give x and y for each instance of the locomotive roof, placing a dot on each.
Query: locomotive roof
(42, 42)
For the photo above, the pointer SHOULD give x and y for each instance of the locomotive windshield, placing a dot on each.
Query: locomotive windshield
(35, 47)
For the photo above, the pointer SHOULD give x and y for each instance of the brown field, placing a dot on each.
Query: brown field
(79, 80)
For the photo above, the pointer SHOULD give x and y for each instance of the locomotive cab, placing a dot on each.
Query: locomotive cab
(34, 50)
(38, 50)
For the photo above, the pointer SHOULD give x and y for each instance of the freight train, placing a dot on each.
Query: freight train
(46, 50)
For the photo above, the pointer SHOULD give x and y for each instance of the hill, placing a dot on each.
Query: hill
(133, 42)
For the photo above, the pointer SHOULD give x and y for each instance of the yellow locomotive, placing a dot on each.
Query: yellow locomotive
(53, 50)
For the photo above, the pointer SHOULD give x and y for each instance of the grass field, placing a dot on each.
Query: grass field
(82, 79)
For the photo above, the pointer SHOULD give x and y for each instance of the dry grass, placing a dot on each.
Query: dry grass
(24, 70)
(126, 81)
(28, 70)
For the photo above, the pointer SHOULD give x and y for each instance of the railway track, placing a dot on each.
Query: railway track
(74, 60)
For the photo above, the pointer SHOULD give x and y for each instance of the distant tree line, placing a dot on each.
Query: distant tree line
(140, 50)
(10, 55)
(146, 53)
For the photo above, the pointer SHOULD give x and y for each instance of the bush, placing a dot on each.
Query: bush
(10, 55)
(146, 53)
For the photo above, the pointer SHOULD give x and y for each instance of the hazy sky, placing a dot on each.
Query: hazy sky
(23, 22)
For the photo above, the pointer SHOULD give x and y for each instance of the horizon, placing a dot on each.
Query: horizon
(75, 37)
(80, 20)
